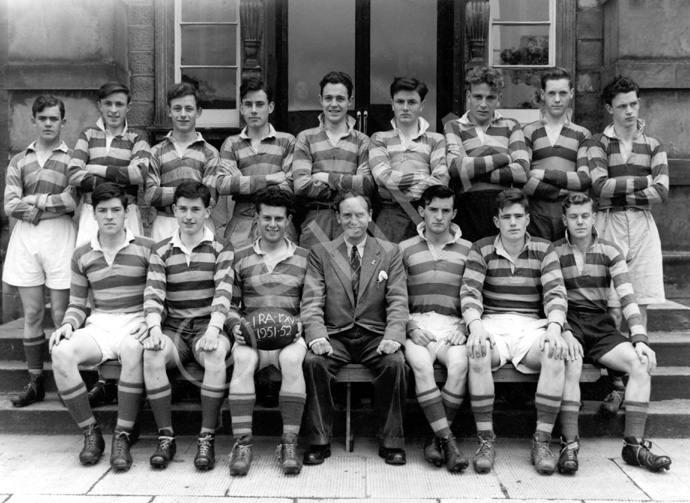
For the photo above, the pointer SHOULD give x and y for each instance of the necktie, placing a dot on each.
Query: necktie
(356, 266)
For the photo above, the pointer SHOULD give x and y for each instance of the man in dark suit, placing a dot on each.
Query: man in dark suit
(354, 310)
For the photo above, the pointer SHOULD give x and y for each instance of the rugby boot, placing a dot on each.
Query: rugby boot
(32, 392)
(287, 455)
(483, 460)
(636, 452)
(432, 451)
(567, 460)
(94, 445)
(541, 456)
(612, 403)
(166, 450)
(205, 458)
(241, 456)
(455, 461)
(120, 457)
(316, 454)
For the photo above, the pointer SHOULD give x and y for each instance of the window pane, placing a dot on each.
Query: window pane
(209, 45)
(522, 88)
(520, 10)
(220, 11)
(520, 45)
(217, 86)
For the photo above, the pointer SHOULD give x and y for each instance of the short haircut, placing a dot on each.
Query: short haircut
(46, 101)
(349, 194)
(273, 195)
(113, 87)
(436, 191)
(409, 84)
(576, 199)
(193, 190)
(254, 84)
(485, 75)
(337, 78)
(556, 73)
(619, 85)
(107, 191)
(182, 89)
(510, 197)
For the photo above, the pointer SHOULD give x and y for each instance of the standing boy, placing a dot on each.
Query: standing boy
(111, 269)
(405, 161)
(328, 159)
(38, 195)
(183, 156)
(258, 157)
(189, 278)
(486, 153)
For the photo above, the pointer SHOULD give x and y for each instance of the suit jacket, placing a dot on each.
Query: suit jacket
(328, 306)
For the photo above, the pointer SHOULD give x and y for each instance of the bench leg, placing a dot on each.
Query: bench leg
(349, 437)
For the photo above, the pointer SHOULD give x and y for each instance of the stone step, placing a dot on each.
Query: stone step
(667, 419)
(677, 275)
(670, 316)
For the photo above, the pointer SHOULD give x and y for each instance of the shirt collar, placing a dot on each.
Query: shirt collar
(595, 235)
(360, 247)
(101, 125)
(498, 244)
(129, 237)
(350, 122)
(423, 126)
(466, 121)
(610, 131)
(455, 232)
(545, 121)
(176, 240)
(172, 139)
(291, 247)
(62, 147)
(271, 133)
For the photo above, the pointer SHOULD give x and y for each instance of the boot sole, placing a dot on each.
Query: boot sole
(120, 466)
(159, 464)
(458, 467)
(89, 462)
(567, 471)
(23, 404)
(293, 470)
(204, 466)
(238, 473)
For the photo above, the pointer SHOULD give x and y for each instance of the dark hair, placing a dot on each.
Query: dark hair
(409, 84)
(349, 194)
(254, 84)
(576, 199)
(46, 101)
(273, 195)
(193, 190)
(182, 89)
(337, 78)
(619, 85)
(107, 191)
(509, 197)
(485, 75)
(556, 73)
(436, 191)
(113, 87)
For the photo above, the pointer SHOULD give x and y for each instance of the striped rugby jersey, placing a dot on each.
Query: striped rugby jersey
(127, 159)
(347, 163)
(167, 170)
(638, 182)
(256, 286)
(559, 168)
(533, 285)
(433, 281)
(116, 288)
(407, 168)
(498, 161)
(190, 287)
(243, 166)
(26, 177)
(588, 289)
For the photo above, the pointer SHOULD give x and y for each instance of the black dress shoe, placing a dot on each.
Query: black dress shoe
(393, 456)
(316, 454)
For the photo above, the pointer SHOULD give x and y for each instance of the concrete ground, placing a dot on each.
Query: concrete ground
(38, 469)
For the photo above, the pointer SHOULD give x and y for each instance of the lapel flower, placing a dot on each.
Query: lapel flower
(382, 276)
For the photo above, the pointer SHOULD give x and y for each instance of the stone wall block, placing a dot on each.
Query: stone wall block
(141, 63)
(140, 38)
(589, 25)
(587, 82)
(140, 14)
(589, 54)
(588, 4)
(142, 88)
(141, 114)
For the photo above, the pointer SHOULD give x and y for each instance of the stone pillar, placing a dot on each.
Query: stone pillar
(140, 61)
(252, 20)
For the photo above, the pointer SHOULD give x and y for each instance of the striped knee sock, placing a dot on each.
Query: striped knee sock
(635, 418)
(291, 409)
(33, 351)
(451, 404)
(483, 411)
(128, 402)
(77, 402)
(160, 401)
(570, 411)
(241, 410)
(211, 403)
(431, 403)
(547, 411)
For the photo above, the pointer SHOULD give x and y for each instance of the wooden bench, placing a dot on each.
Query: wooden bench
(356, 373)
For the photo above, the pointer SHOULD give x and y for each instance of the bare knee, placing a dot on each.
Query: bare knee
(33, 315)
(552, 366)
(573, 370)
(154, 361)
(63, 359)
(131, 352)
